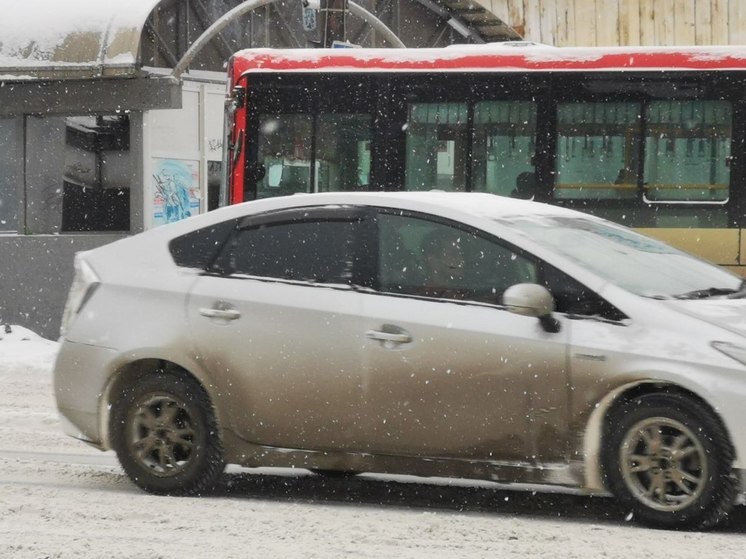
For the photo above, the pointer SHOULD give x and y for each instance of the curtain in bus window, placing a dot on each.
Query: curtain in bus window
(285, 152)
(437, 143)
(597, 151)
(503, 149)
(343, 151)
(687, 151)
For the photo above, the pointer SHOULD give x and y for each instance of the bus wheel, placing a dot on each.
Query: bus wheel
(165, 435)
(669, 460)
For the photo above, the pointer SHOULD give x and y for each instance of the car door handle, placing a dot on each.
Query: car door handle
(223, 314)
(391, 337)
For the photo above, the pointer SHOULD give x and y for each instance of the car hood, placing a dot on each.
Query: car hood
(729, 314)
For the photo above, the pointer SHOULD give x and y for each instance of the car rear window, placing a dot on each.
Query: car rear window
(198, 249)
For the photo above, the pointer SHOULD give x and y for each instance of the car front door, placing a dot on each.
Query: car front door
(278, 326)
(448, 371)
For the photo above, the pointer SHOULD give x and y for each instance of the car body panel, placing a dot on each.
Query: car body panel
(285, 378)
(462, 387)
(298, 382)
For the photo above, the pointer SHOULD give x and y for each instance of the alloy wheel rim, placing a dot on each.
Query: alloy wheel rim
(663, 464)
(162, 437)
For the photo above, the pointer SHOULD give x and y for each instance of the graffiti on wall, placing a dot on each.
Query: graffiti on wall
(175, 190)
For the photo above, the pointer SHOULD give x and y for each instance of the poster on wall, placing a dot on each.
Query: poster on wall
(176, 192)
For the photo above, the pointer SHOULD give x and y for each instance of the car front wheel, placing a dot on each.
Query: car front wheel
(165, 435)
(669, 460)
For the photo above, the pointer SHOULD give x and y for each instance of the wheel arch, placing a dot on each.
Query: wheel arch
(598, 423)
(132, 371)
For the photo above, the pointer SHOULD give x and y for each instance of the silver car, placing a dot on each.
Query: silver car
(434, 334)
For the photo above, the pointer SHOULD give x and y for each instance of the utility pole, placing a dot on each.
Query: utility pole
(332, 14)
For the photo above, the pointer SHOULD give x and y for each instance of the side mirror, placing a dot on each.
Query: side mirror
(532, 299)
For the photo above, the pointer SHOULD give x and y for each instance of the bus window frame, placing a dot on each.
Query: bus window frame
(643, 87)
(387, 95)
(469, 88)
(294, 94)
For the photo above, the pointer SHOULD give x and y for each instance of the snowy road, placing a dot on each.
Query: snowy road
(59, 498)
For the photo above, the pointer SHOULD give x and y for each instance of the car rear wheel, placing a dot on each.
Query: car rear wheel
(165, 435)
(669, 460)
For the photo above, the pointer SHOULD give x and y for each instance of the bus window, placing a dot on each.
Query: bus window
(335, 146)
(285, 153)
(597, 146)
(437, 142)
(343, 151)
(687, 151)
(504, 145)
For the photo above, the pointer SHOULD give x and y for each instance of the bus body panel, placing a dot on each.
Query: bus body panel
(680, 179)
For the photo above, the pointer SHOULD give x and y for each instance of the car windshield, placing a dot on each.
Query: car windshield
(632, 261)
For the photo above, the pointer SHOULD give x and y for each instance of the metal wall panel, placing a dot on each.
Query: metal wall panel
(625, 22)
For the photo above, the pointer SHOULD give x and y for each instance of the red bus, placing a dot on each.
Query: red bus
(652, 138)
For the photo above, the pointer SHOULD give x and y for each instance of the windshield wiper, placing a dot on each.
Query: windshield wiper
(710, 292)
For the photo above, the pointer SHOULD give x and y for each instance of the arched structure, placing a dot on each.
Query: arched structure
(174, 26)
(212, 32)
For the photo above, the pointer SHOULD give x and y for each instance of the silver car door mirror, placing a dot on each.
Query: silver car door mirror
(531, 299)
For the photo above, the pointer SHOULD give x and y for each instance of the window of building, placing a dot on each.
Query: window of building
(10, 176)
(78, 173)
(214, 181)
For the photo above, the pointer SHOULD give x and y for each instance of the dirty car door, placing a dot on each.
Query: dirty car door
(277, 325)
(449, 372)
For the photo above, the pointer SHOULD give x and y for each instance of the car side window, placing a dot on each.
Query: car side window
(434, 259)
(572, 297)
(318, 251)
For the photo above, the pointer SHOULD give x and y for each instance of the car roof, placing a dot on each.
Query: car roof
(458, 205)
(477, 209)
(148, 252)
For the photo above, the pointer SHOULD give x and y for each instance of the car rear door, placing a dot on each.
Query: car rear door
(278, 326)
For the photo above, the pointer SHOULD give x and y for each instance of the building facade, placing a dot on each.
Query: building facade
(566, 23)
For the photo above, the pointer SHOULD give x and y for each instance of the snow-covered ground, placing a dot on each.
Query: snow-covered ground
(60, 498)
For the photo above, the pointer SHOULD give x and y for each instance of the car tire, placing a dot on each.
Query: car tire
(668, 459)
(165, 434)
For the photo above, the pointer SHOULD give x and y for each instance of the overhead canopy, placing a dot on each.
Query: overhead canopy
(69, 57)
(58, 56)
(73, 39)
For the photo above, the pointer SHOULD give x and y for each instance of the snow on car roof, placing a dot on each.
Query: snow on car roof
(455, 204)
(508, 57)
